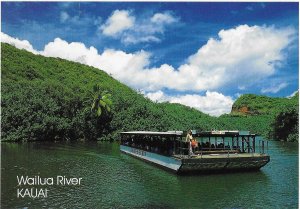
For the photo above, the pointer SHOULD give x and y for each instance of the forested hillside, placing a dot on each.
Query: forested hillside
(250, 104)
(49, 99)
(283, 114)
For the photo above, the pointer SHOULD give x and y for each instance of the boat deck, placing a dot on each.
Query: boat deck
(216, 156)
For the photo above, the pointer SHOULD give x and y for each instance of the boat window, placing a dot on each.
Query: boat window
(164, 145)
(176, 145)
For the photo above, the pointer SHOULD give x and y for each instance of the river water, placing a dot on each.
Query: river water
(111, 179)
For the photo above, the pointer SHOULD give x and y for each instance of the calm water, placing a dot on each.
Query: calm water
(115, 180)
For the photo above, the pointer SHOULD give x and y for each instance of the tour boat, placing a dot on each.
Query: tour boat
(212, 151)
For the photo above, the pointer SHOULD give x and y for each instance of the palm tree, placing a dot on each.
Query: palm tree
(101, 101)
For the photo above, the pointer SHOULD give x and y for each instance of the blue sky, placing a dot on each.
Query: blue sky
(202, 55)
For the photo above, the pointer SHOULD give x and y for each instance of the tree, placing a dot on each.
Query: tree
(101, 101)
(286, 125)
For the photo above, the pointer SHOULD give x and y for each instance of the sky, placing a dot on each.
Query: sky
(202, 55)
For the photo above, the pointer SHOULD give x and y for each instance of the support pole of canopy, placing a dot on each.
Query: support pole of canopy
(248, 143)
(174, 145)
(215, 142)
(253, 141)
(223, 142)
(243, 138)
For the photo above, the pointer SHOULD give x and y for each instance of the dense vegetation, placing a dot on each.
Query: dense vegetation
(50, 99)
(259, 105)
(286, 126)
(281, 114)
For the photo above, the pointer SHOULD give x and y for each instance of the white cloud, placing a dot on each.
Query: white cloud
(132, 30)
(123, 66)
(213, 103)
(64, 16)
(157, 96)
(163, 18)
(79, 20)
(240, 57)
(74, 51)
(130, 39)
(20, 44)
(237, 95)
(293, 94)
(119, 21)
(274, 89)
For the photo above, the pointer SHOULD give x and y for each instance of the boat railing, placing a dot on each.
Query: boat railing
(239, 147)
(262, 145)
(214, 148)
(229, 153)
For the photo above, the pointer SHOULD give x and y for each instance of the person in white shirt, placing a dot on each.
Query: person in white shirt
(189, 138)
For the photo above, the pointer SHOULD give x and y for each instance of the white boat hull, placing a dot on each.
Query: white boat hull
(201, 164)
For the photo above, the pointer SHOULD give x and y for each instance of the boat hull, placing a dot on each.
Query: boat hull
(201, 164)
(168, 163)
(223, 164)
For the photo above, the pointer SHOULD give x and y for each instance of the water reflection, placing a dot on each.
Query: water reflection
(115, 180)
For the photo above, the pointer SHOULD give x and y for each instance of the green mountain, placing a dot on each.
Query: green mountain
(49, 99)
(250, 104)
(283, 113)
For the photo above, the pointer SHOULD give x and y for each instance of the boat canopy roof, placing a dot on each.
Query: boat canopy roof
(224, 133)
(155, 133)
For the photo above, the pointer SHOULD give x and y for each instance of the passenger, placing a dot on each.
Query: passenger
(207, 145)
(191, 148)
(189, 138)
(221, 145)
(194, 144)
